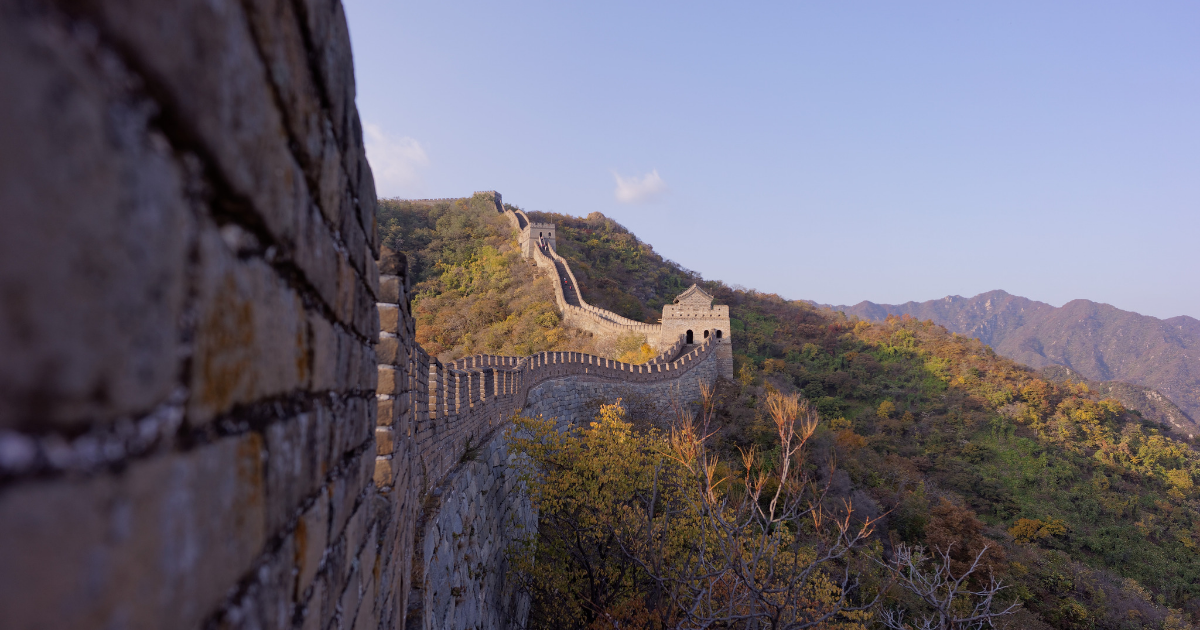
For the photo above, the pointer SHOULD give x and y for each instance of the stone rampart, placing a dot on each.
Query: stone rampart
(213, 412)
(188, 373)
(601, 323)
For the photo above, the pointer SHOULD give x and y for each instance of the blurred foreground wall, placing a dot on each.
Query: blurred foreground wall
(187, 317)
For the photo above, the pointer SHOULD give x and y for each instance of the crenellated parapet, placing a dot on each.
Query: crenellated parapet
(443, 462)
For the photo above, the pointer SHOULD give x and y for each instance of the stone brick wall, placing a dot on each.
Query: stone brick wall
(213, 412)
(187, 320)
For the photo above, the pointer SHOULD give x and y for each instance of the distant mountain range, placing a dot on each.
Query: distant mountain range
(1097, 341)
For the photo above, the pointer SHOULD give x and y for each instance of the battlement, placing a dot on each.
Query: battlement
(691, 318)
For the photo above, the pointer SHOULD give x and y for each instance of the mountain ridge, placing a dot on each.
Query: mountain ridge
(1099, 341)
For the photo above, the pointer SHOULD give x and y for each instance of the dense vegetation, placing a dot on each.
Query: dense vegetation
(1087, 510)
(472, 292)
(614, 269)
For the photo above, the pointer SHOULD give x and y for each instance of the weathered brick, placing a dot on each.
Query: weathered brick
(324, 341)
(202, 54)
(251, 333)
(337, 73)
(387, 350)
(384, 442)
(316, 255)
(298, 459)
(280, 37)
(353, 424)
(266, 602)
(390, 289)
(351, 597)
(384, 475)
(389, 380)
(373, 273)
(345, 491)
(365, 199)
(157, 546)
(312, 537)
(385, 413)
(334, 185)
(92, 291)
(315, 610)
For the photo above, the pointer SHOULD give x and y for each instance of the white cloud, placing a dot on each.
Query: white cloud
(642, 189)
(395, 162)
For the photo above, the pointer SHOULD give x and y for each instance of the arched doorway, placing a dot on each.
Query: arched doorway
(689, 337)
(718, 334)
(706, 334)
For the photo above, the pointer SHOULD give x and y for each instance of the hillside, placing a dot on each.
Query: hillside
(1098, 341)
(1094, 508)
(1146, 401)
(615, 270)
(472, 292)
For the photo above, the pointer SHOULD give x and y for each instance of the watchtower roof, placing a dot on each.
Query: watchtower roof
(694, 295)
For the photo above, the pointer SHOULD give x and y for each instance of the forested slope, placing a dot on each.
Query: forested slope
(1093, 508)
(472, 291)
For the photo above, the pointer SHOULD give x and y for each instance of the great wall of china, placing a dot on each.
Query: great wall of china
(213, 413)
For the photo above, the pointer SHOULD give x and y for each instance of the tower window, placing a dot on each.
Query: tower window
(689, 337)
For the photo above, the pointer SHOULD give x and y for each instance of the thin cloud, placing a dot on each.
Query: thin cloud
(395, 161)
(644, 189)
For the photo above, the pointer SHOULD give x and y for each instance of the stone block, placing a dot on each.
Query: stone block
(336, 67)
(384, 474)
(298, 459)
(390, 289)
(356, 530)
(324, 341)
(385, 412)
(364, 200)
(391, 381)
(384, 441)
(251, 337)
(203, 59)
(266, 601)
(366, 317)
(350, 600)
(312, 537)
(352, 234)
(92, 291)
(373, 270)
(156, 546)
(311, 611)
(353, 424)
(316, 255)
(347, 489)
(387, 350)
(334, 185)
(280, 37)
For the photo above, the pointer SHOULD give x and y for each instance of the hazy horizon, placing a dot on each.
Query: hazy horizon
(835, 153)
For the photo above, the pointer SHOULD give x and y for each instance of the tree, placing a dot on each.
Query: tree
(765, 550)
(586, 485)
(949, 602)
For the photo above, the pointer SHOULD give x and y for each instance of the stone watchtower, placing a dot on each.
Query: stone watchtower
(693, 315)
(532, 233)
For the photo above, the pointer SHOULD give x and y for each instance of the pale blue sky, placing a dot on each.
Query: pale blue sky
(832, 151)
